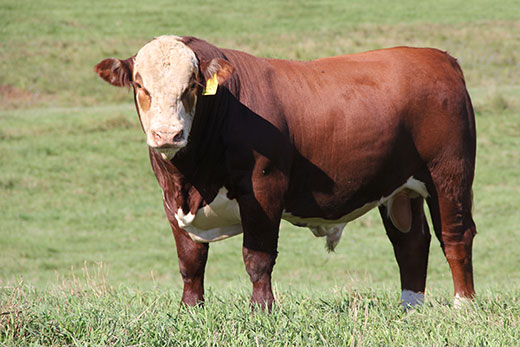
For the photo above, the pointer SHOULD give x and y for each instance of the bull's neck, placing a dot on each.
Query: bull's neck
(201, 163)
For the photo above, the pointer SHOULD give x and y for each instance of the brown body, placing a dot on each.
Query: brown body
(320, 140)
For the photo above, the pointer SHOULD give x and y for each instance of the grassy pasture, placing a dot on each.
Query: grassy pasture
(86, 254)
(305, 317)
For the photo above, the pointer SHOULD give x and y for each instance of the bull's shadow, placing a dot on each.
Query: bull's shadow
(225, 137)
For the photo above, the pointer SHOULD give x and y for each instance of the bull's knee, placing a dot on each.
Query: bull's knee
(192, 267)
(259, 266)
(193, 292)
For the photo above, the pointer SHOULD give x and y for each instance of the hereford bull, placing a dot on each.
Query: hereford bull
(238, 143)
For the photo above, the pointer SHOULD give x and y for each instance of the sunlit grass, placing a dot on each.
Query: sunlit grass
(97, 315)
(87, 256)
(49, 59)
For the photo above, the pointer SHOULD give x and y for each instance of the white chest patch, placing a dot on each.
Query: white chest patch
(214, 222)
(221, 218)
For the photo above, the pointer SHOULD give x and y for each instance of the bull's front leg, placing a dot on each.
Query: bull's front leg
(259, 251)
(261, 211)
(259, 266)
(192, 264)
(192, 258)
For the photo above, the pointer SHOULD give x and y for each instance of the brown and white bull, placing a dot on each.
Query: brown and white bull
(238, 143)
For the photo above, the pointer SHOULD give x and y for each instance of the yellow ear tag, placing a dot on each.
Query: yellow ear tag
(211, 86)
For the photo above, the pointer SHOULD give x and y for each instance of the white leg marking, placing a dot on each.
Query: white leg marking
(410, 298)
(460, 301)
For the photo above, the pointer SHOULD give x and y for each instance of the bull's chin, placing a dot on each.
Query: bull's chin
(167, 153)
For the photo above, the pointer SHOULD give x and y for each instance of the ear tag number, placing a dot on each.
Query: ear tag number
(211, 86)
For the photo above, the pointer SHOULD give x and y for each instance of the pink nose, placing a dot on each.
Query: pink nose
(166, 137)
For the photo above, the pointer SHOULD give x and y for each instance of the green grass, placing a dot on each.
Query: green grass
(49, 47)
(101, 316)
(81, 218)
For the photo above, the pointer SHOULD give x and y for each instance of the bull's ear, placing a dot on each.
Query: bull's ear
(219, 67)
(116, 72)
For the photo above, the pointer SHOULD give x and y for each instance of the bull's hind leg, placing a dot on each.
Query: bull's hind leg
(411, 248)
(447, 144)
(450, 207)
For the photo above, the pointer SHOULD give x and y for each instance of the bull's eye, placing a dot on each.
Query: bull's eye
(193, 85)
(138, 85)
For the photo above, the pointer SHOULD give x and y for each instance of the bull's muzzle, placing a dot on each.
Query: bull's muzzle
(167, 139)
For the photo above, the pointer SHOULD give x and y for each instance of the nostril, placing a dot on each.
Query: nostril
(156, 135)
(179, 136)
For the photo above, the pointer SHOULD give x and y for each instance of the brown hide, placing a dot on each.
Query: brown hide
(321, 139)
(342, 131)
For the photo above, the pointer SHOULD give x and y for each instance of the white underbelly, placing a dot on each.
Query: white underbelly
(221, 218)
(316, 222)
(411, 184)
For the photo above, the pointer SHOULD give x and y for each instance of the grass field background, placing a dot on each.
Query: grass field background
(86, 253)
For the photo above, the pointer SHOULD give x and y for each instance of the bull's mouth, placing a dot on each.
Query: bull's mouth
(167, 146)
(168, 151)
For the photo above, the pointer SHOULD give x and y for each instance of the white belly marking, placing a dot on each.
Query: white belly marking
(332, 229)
(221, 218)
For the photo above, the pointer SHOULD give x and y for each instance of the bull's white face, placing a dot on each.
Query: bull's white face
(165, 78)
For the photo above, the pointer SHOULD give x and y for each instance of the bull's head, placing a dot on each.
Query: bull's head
(167, 78)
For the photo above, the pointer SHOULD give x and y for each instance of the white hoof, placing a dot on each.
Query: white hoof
(411, 299)
(460, 301)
